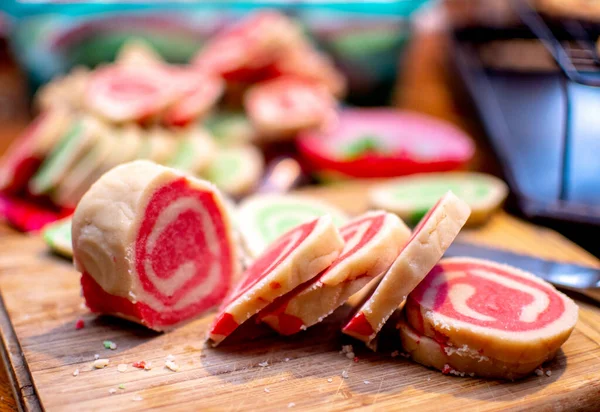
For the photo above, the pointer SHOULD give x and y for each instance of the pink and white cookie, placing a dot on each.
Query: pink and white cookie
(294, 258)
(23, 158)
(461, 361)
(426, 246)
(372, 242)
(499, 311)
(153, 245)
(122, 93)
(281, 107)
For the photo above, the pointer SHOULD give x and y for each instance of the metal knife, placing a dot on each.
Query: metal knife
(572, 277)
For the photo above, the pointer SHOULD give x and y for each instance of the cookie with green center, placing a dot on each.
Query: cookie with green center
(195, 150)
(236, 170)
(376, 143)
(230, 128)
(411, 197)
(80, 138)
(263, 218)
(57, 236)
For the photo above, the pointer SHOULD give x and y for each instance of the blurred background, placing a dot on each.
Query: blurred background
(232, 90)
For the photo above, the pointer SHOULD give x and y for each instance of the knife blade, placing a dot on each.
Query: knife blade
(568, 276)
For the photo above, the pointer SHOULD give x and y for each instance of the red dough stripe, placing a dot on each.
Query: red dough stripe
(359, 325)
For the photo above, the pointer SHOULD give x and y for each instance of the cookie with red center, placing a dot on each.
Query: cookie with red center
(243, 51)
(370, 143)
(122, 93)
(372, 242)
(284, 106)
(199, 92)
(427, 244)
(296, 257)
(153, 245)
(461, 361)
(23, 158)
(497, 310)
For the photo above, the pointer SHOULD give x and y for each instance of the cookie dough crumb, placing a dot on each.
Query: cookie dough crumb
(330, 380)
(76, 372)
(122, 367)
(291, 405)
(172, 366)
(139, 364)
(148, 366)
(345, 374)
(108, 344)
(267, 390)
(286, 360)
(96, 356)
(539, 372)
(263, 364)
(366, 382)
(170, 358)
(137, 398)
(100, 363)
(79, 324)
(347, 349)
(350, 355)
(121, 386)
(548, 372)
(112, 391)
(395, 353)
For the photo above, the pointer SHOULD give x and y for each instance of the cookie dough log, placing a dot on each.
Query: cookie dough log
(426, 246)
(372, 242)
(295, 258)
(153, 245)
(80, 138)
(461, 361)
(499, 311)
(412, 196)
(57, 236)
(23, 158)
(263, 218)
(236, 170)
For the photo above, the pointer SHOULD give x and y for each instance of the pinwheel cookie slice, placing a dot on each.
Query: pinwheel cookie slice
(26, 154)
(195, 150)
(500, 312)
(78, 140)
(426, 246)
(236, 170)
(57, 236)
(412, 196)
(263, 218)
(153, 245)
(372, 242)
(294, 258)
(461, 361)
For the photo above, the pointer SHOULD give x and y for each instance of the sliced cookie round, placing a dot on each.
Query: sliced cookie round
(372, 242)
(263, 218)
(294, 258)
(426, 246)
(412, 196)
(57, 236)
(236, 170)
(500, 311)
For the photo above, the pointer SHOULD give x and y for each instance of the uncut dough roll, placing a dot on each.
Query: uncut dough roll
(294, 258)
(500, 311)
(410, 197)
(153, 245)
(461, 361)
(372, 242)
(430, 239)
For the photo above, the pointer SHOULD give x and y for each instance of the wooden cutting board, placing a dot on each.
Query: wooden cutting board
(256, 369)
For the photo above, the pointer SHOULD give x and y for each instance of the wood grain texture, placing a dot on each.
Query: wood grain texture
(41, 294)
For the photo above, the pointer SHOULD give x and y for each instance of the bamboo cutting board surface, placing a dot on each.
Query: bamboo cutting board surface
(256, 369)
